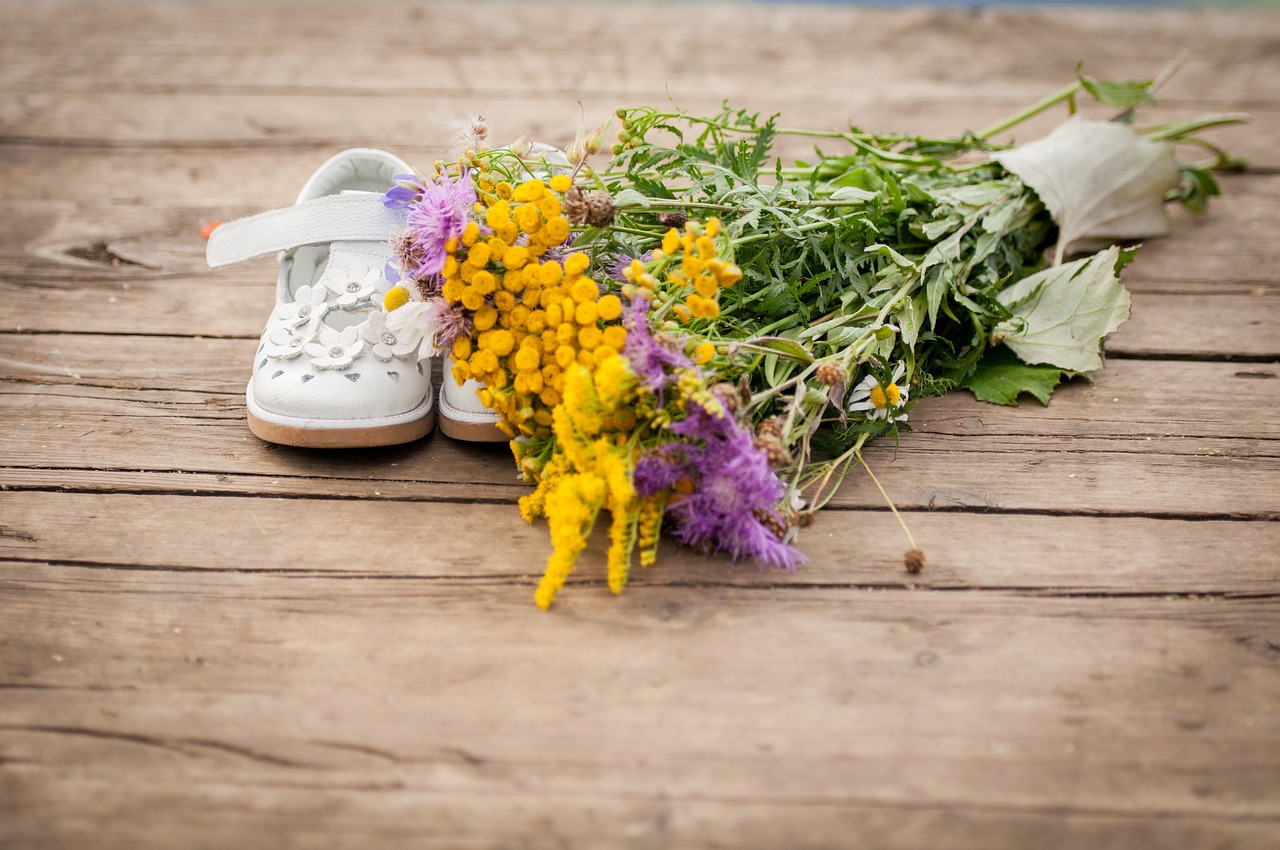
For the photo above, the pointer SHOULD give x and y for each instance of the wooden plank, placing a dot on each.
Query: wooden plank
(1201, 325)
(52, 445)
(205, 378)
(168, 120)
(809, 704)
(203, 49)
(1209, 325)
(93, 404)
(63, 806)
(1073, 555)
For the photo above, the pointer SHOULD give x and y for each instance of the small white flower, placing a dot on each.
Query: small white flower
(308, 307)
(385, 344)
(352, 284)
(334, 350)
(284, 343)
(881, 402)
(414, 327)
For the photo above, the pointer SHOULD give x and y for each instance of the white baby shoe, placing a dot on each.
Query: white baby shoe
(463, 416)
(329, 373)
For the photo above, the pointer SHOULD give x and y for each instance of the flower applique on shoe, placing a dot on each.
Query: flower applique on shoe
(332, 369)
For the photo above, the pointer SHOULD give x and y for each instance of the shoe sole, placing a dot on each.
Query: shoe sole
(471, 432)
(343, 438)
(356, 434)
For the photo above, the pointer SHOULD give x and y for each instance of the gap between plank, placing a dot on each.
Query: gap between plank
(188, 492)
(528, 579)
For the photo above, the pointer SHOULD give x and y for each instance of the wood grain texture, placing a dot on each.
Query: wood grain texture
(206, 641)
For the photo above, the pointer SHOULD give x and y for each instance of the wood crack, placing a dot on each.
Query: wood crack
(178, 745)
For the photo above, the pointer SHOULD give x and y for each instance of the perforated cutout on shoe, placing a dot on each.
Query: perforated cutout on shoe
(352, 376)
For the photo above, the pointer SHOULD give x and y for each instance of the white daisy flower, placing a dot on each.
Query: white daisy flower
(414, 325)
(881, 402)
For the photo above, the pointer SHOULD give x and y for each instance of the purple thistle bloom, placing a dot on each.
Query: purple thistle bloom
(735, 488)
(657, 471)
(735, 492)
(439, 213)
(649, 358)
(451, 320)
(621, 262)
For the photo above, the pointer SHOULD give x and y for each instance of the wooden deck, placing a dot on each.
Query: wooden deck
(206, 641)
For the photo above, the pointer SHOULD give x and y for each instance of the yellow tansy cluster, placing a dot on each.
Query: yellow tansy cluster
(692, 265)
(534, 318)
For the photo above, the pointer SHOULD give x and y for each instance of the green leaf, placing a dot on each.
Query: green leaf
(1198, 186)
(1060, 315)
(852, 194)
(888, 252)
(1122, 95)
(911, 318)
(1001, 377)
(630, 198)
(785, 347)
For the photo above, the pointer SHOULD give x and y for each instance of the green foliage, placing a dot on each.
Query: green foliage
(1001, 377)
(1059, 316)
(880, 255)
(1121, 95)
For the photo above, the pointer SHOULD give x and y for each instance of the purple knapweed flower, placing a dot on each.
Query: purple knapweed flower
(734, 492)
(622, 262)
(659, 470)
(439, 210)
(451, 320)
(649, 358)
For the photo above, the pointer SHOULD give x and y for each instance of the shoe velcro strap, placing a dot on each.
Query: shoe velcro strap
(348, 217)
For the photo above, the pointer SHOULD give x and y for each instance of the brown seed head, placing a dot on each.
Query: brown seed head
(769, 428)
(594, 208)
(830, 374)
(913, 560)
(728, 395)
(771, 521)
(774, 450)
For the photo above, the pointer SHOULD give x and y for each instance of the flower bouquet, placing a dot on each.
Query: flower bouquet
(699, 339)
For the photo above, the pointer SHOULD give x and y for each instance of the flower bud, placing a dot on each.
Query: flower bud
(522, 146)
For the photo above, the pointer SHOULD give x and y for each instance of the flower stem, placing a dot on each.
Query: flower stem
(1034, 109)
(887, 500)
